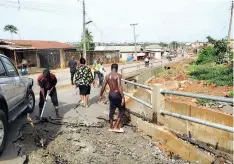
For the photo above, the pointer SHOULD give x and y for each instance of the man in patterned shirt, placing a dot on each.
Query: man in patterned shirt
(83, 79)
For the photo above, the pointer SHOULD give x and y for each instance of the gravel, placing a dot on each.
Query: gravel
(91, 145)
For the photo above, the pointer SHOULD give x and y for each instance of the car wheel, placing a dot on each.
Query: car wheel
(3, 131)
(31, 101)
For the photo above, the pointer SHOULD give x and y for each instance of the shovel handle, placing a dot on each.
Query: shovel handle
(44, 106)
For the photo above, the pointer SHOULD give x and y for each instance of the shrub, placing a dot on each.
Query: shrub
(218, 74)
(230, 94)
(206, 55)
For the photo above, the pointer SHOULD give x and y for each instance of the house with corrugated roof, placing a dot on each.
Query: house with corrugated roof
(37, 53)
(155, 51)
(127, 53)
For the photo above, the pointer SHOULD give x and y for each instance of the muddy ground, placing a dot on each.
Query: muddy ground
(74, 143)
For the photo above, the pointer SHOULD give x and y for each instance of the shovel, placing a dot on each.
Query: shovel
(47, 95)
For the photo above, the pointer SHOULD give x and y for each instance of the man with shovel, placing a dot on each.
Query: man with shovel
(47, 82)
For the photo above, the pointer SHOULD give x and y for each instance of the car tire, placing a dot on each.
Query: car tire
(31, 100)
(3, 130)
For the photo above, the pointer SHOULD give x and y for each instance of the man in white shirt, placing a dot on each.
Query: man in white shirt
(146, 61)
(101, 73)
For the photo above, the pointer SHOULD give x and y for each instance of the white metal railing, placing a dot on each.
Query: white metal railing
(184, 117)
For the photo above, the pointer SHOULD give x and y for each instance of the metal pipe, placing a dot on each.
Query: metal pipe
(137, 84)
(139, 100)
(201, 96)
(199, 121)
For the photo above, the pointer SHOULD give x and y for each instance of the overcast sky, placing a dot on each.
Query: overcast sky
(158, 20)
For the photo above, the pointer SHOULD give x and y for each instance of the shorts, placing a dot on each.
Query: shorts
(84, 89)
(115, 102)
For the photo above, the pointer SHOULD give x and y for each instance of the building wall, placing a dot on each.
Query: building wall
(49, 58)
(124, 56)
(105, 56)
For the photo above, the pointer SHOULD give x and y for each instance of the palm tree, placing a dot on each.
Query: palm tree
(88, 41)
(12, 29)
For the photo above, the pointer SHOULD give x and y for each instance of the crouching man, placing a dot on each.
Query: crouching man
(116, 97)
(47, 82)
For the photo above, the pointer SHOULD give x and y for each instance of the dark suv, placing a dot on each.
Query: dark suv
(16, 96)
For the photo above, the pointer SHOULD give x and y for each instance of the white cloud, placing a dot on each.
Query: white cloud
(159, 20)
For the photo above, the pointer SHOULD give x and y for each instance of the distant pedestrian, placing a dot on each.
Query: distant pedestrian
(72, 65)
(96, 65)
(101, 73)
(146, 61)
(83, 79)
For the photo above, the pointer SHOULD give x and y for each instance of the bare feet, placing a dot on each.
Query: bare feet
(58, 116)
(120, 130)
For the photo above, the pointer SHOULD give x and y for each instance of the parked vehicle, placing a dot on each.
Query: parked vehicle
(16, 96)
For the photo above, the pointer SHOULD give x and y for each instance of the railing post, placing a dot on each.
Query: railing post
(122, 71)
(158, 102)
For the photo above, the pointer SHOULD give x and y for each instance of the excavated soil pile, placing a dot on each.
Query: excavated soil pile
(77, 143)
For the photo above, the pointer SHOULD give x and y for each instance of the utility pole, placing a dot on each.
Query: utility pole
(84, 32)
(134, 33)
(230, 24)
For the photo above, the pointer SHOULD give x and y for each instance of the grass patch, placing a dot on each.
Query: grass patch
(230, 94)
(218, 74)
(203, 102)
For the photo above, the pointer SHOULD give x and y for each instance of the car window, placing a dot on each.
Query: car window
(2, 70)
(10, 67)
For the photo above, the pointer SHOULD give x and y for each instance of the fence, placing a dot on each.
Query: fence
(105, 56)
(158, 104)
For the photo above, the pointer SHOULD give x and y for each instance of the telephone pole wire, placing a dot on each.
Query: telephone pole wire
(230, 24)
(84, 31)
(134, 33)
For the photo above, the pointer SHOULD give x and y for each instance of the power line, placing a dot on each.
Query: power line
(39, 7)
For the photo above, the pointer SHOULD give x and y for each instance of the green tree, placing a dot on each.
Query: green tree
(90, 45)
(174, 44)
(221, 47)
(12, 29)
(162, 44)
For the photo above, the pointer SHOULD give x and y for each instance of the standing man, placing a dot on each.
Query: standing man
(96, 65)
(116, 97)
(146, 61)
(47, 82)
(83, 79)
(72, 65)
(101, 73)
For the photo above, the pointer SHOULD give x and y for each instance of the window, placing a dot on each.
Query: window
(12, 72)
(2, 70)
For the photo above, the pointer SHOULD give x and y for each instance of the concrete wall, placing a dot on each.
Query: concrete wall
(203, 133)
(105, 56)
(141, 77)
(211, 136)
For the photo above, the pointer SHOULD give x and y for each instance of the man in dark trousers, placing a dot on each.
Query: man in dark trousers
(116, 97)
(47, 82)
(72, 64)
